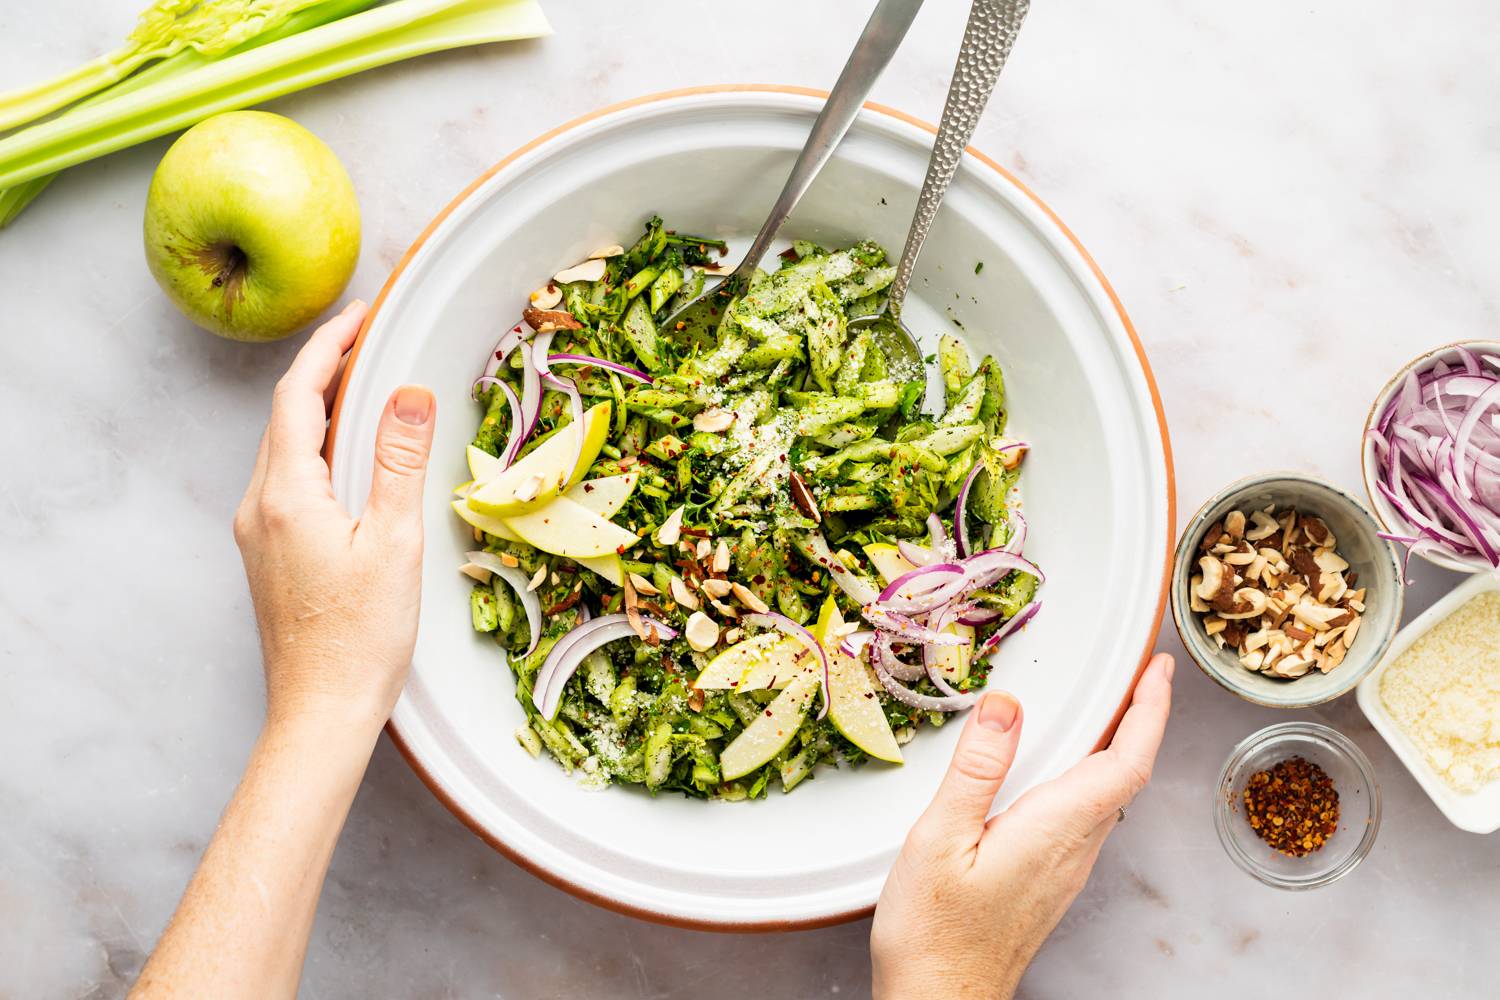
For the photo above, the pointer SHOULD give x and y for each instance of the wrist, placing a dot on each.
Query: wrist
(335, 719)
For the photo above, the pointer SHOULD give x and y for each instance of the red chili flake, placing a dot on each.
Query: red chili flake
(1293, 806)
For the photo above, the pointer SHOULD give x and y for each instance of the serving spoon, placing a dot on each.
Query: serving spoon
(877, 43)
(988, 37)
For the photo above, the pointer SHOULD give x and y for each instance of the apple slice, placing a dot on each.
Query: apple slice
(604, 496)
(772, 730)
(853, 706)
(753, 664)
(608, 567)
(887, 560)
(484, 522)
(566, 528)
(545, 473)
(482, 465)
(953, 661)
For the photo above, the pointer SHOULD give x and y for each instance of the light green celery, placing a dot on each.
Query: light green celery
(13, 200)
(375, 37)
(164, 29)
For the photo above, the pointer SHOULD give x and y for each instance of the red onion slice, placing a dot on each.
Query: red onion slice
(563, 384)
(961, 512)
(992, 565)
(518, 582)
(925, 588)
(503, 347)
(940, 620)
(531, 405)
(563, 659)
(907, 628)
(614, 366)
(886, 665)
(917, 555)
(853, 645)
(1022, 617)
(517, 421)
(783, 624)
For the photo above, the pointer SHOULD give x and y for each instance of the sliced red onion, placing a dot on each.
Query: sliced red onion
(992, 565)
(814, 548)
(1022, 617)
(907, 628)
(1017, 531)
(853, 645)
(517, 421)
(563, 659)
(917, 555)
(975, 615)
(930, 653)
(518, 582)
(887, 663)
(961, 512)
(503, 347)
(563, 384)
(531, 405)
(1438, 449)
(941, 544)
(924, 588)
(541, 344)
(783, 624)
(614, 366)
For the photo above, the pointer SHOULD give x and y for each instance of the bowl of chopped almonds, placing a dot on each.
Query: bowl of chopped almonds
(1284, 592)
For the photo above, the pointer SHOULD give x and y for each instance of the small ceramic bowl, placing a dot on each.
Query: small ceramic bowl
(1373, 558)
(1353, 779)
(1392, 520)
(1478, 812)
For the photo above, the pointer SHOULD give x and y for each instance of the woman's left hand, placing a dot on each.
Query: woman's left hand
(336, 597)
(970, 899)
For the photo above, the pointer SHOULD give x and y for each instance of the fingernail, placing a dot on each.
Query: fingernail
(998, 711)
(352, 306)
(413, 405)
(1168, 668)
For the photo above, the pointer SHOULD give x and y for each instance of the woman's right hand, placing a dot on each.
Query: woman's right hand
(970, 900)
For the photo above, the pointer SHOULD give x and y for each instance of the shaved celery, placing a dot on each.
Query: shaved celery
(164, 29)
(375, 37)
(13, 200)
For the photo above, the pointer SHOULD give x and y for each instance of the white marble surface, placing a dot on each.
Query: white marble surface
(1303, 191)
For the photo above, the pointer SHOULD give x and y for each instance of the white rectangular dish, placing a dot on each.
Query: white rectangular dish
(1478, 812)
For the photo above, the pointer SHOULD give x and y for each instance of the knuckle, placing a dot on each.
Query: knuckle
(978, 761)
(401, 455)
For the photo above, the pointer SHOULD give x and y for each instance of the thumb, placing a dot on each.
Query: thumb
(980, 763)
(403, 442)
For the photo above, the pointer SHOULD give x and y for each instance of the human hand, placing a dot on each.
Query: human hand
(336, 598)
(969, 902)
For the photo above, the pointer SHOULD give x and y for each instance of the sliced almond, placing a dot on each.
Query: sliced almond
(506, 559)
(803, 498)
(715, 420)
(1351, 630)
(544, 320)
(703, 550)
(1213, 625)
(590, 270)
(529, 488)
(671, 529)
(682, 595)
(643, 585)
(724, 609)
(734, 635)
(475, 572)
(721, 558)
(1234, 524)
(716, 588)
(1196, 603)
(1264, 526)
(546, 297)
(1252, 660)
(747, 597)
(613, 250)
(538, 578)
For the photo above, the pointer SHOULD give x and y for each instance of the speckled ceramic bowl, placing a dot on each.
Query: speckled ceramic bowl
(1373, 558)
(1389, 517)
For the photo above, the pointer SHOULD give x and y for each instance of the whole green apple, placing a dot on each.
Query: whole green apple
(252, 225)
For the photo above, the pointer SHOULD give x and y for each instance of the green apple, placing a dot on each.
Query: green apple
(482, 466)
(887, 560)
(555, 465)
(953, 661)
(853, 707)
(772, 730)
(252, 226)
(762, 661)
(568, 529)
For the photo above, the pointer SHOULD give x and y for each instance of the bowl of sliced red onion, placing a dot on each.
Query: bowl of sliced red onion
(1431, 457)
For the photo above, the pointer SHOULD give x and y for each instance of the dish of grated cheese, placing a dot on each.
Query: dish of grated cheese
(1444, 692)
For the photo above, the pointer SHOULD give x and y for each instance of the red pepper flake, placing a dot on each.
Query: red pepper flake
(1292, 806)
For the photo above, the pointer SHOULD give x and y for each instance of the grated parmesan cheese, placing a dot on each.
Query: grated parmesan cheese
(1444, 691)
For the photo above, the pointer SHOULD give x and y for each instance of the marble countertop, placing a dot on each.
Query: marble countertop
(1306, 190)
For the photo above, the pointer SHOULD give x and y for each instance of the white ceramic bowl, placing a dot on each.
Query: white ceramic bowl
(1098, 487)
(1392, 520)
(1478, 812)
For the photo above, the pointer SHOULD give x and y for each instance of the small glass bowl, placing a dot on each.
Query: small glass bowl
(1359, 805)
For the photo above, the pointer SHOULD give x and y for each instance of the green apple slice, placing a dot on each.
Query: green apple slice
(953, 661)
(887, 560)
(608, 567)
(604, 496)
(772, 730)
(762, 661)
(482, 465)
(545, 473)
(484, 522)
(853, 704)
(566, 528)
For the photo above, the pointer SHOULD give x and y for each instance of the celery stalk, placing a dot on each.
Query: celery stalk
(13, 200)
(163, 29)
(375, 37)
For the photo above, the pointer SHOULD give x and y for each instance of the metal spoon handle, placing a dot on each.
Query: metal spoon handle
(877, 43)
(991, 31)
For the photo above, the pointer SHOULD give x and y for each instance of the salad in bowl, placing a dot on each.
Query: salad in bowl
(715, 559)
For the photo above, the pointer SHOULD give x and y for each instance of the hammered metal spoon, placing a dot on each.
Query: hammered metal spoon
(988, 37)
(877, 43)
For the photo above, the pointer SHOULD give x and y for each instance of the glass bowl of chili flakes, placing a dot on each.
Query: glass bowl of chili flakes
(1297, 805)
